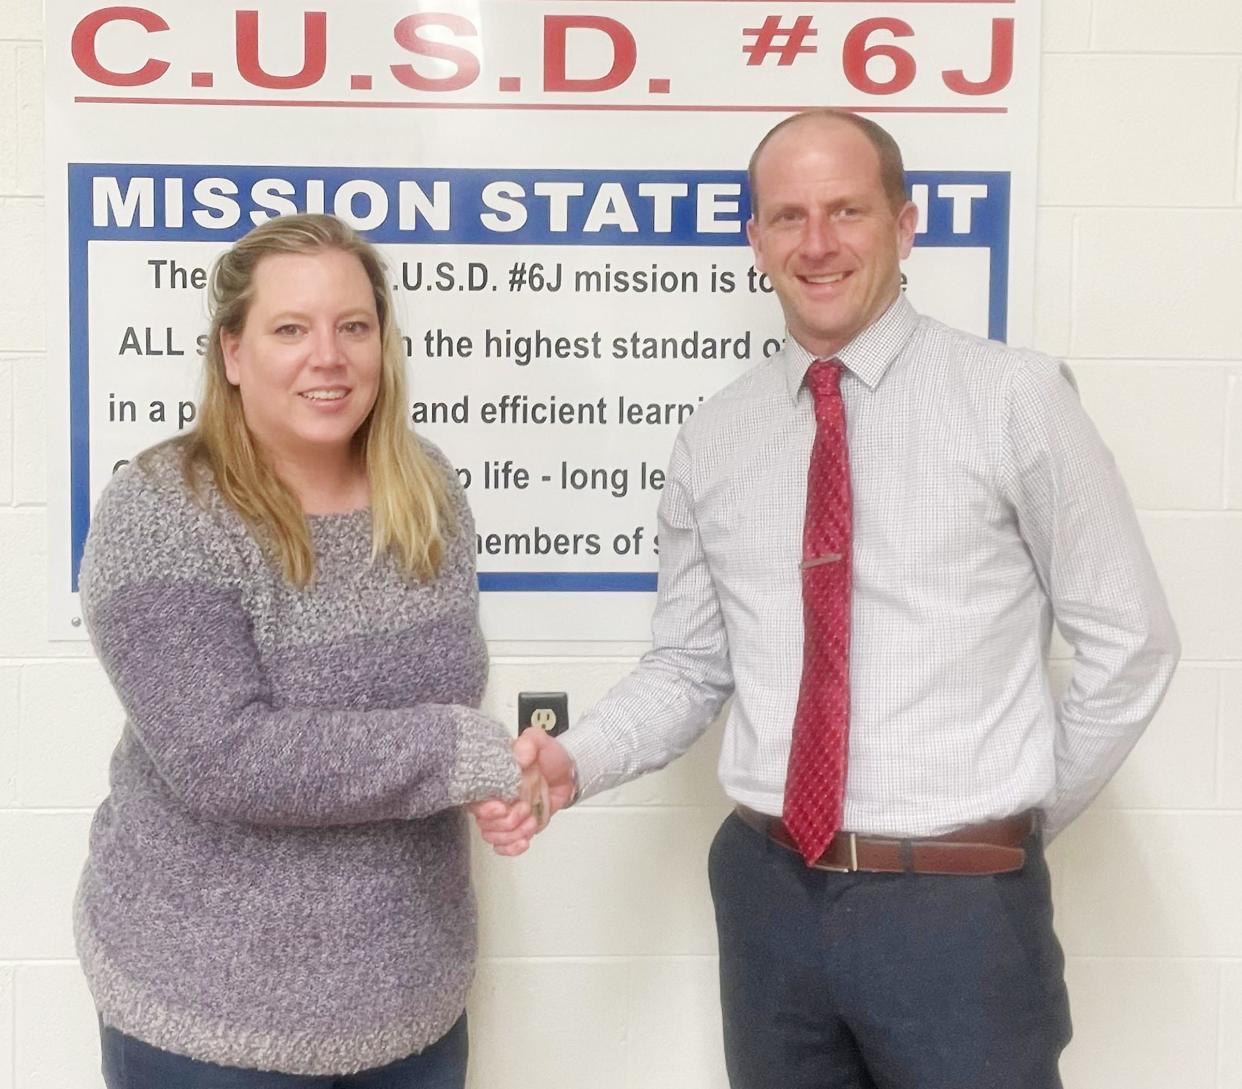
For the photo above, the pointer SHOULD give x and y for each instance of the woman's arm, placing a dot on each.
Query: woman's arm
(165, 614)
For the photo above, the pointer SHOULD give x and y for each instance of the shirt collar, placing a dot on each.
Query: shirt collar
(867, 356)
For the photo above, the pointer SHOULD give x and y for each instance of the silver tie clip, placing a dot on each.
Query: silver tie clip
(827, 557)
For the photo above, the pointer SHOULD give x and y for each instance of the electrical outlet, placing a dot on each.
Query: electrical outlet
(547, 710)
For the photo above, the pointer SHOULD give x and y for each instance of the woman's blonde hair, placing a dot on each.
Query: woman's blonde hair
(409, 504)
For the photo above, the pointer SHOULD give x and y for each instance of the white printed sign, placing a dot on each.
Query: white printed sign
(560, 191)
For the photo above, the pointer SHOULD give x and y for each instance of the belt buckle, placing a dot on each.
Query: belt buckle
(853, 863)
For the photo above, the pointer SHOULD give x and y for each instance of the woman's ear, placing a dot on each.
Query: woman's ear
(229, 345)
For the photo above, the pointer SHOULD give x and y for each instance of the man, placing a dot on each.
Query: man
(880, 608)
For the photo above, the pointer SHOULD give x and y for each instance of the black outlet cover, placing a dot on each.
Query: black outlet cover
(548, 710)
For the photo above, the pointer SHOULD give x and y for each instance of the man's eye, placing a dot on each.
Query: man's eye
(287, 330)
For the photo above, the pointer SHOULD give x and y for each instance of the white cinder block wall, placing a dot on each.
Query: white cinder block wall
(598, 964)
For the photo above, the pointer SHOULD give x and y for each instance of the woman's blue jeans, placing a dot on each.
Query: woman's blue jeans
(128, 1063)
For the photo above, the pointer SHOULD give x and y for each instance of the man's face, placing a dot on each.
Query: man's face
(825, 234)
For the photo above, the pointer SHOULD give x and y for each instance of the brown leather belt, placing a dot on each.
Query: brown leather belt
(994, 847)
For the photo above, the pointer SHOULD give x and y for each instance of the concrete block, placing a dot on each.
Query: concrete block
(600, 882)
(1054, 266)
(1176, 465)
(6, 432)
(23, 20)
(9, 687)
(23, 589)
(1166, 26)
(30, 166)
(1229, 769)
(645, 1023)
(22, 277)
(23, 576)
(1137, 105)
(6, 1028)
(1174, 764)
(9, 151)
(1233, 440)
(56, 1029)
(1157, 283)
(1229, 1071)
(43, 855)
(1141, 1024)
(674, 1024)
(1194, 554)
(30, 433)
(549, 1022)
(1066, 26)
(70, 722)
(1149, 884)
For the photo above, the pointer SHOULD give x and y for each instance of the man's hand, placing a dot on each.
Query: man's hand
(547, 782)
(534, 792)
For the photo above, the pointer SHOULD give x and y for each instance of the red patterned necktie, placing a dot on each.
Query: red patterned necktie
(815, 782)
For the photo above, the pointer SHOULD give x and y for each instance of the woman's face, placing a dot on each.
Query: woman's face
(307, 361)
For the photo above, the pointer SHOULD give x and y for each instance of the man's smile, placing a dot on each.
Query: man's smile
(826, 278)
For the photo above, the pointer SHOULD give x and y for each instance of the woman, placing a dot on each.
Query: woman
(278, 891)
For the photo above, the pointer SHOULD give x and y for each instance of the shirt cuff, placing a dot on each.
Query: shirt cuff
(592, 757)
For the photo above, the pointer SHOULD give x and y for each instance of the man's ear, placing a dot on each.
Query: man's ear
(907, 224)
(752, 236)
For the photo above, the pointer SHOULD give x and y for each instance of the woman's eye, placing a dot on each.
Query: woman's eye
(356, 328)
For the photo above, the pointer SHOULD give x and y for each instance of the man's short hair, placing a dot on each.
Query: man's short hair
(892, 171)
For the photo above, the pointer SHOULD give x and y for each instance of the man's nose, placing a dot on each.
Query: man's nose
(819, 236)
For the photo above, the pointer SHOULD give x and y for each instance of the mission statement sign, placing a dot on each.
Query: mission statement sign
(559, 189)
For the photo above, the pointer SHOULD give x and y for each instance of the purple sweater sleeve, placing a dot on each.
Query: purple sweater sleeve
(168, 618)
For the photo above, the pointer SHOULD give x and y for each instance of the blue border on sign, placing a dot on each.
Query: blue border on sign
(568, 581)
(152, 218)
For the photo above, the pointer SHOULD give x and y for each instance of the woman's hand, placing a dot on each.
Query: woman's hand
(547, 786)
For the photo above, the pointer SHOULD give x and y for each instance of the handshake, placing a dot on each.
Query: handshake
(548, 785)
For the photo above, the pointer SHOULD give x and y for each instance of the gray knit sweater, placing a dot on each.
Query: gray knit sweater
(279, 878)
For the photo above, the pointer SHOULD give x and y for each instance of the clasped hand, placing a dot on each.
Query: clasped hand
(547, 786)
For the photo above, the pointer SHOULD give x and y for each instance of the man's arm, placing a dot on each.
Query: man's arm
(1078, 522)
(661, 708)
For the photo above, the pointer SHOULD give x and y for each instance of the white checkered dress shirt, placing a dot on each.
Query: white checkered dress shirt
(986, 507)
